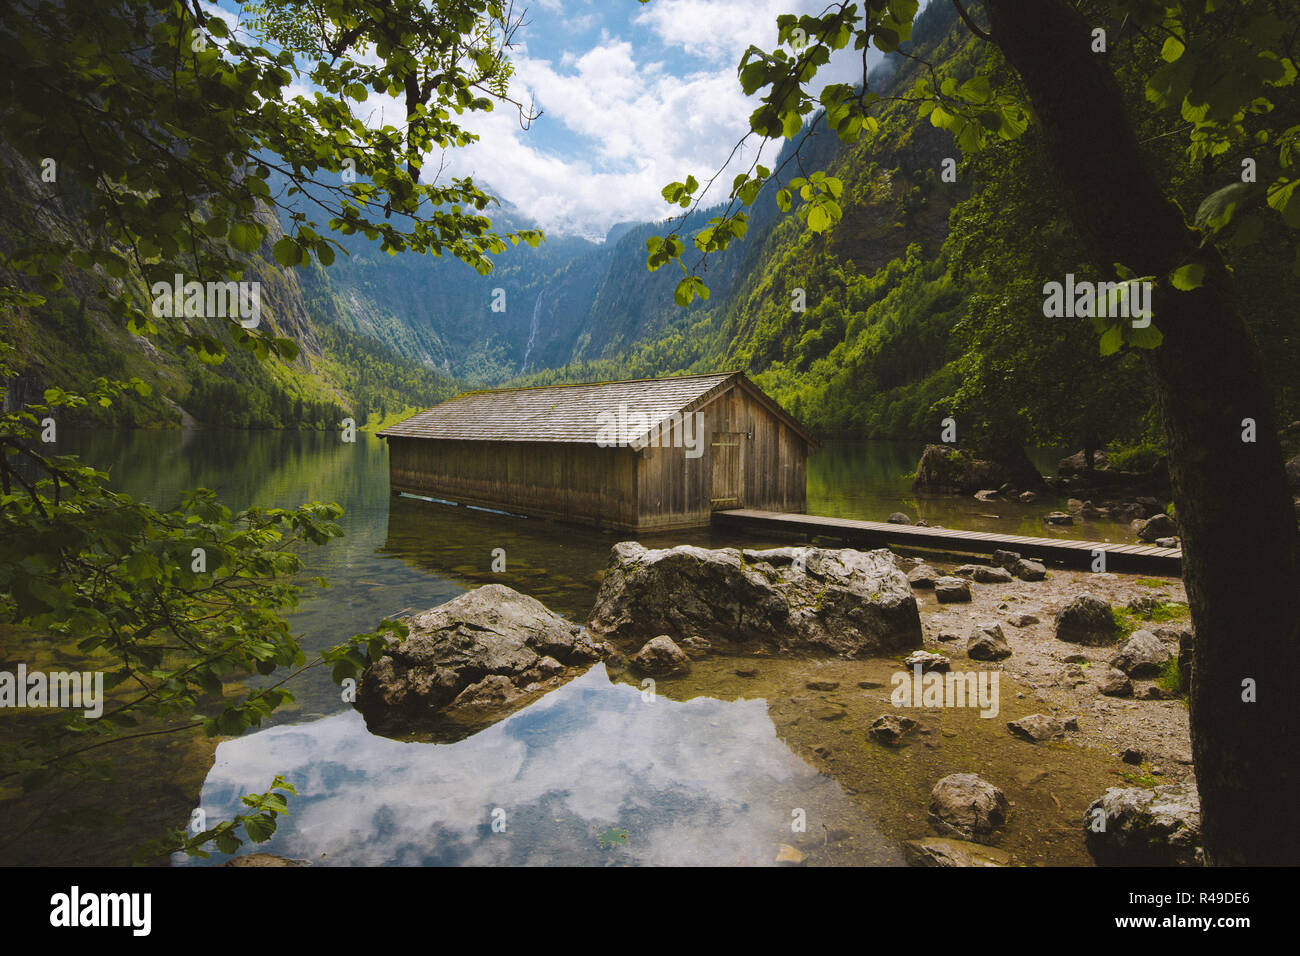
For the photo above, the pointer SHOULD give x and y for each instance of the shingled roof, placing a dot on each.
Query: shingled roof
(572, 413)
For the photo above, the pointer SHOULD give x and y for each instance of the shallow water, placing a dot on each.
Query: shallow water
(703, 781)
(711, 772)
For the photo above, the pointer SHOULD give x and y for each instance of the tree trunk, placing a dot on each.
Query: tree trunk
(1241, 556)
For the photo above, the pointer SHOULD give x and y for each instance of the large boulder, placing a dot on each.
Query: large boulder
(965, 805)
(1293, 472)
(1142, 655)
(1077, 464)
(1130, 826)
(987, 643)
(1086, 620)
(1158, 526)
(1028, 570)
(990, 463)
(470, 662)
(1005, 559)
(842, 602)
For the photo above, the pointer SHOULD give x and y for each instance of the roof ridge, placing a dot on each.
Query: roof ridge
(616, 381)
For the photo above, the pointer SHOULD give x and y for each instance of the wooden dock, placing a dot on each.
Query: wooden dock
(877, 534)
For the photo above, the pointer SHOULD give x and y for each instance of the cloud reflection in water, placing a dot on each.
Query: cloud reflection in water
(703, 782)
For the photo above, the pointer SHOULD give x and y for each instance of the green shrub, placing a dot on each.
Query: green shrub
(1139, 457)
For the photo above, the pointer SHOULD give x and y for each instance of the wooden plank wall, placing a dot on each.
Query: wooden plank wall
(674, 491)
(564, 480)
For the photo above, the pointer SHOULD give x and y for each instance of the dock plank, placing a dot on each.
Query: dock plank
(1067, 551)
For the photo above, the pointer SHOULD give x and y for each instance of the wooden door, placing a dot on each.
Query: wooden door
(725, 453)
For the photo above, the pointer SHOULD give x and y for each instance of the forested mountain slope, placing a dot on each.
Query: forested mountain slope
(916, 303)
(72, 338)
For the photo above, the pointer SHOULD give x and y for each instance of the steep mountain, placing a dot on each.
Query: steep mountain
(569, 300)
(926, 300)
(442, 313)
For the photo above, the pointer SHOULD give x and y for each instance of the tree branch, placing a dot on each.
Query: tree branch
(971, 25)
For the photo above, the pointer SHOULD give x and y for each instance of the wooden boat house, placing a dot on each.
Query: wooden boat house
(647, 455)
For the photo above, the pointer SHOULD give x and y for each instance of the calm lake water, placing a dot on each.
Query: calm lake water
(711, 772)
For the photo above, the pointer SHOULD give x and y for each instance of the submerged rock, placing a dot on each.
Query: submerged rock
(470, 662)
(842, 602)
(967, 806)
(660, 657)
(928, 660)
(889, 729)
(1131, 826)
(786, 855)
(947, 852)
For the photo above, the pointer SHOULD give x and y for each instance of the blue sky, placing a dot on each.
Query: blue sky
(634, 96)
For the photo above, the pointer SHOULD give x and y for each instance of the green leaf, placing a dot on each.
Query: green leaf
(259, 828)
(791, 123)
(976, 90)
(1111, 340)
(1286, 200)
(227, 842)
(1188, 277)
(1217, 209)
(287, 252)
(1172, 49)
(1148, 337)
(245, 237)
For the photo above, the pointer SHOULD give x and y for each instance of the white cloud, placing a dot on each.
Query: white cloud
(635, 126)
(717, 29)
(623, 117)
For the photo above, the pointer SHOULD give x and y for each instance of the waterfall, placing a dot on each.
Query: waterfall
(532, 334)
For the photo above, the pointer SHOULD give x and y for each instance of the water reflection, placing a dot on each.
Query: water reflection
(872, 479)
(703, 781)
